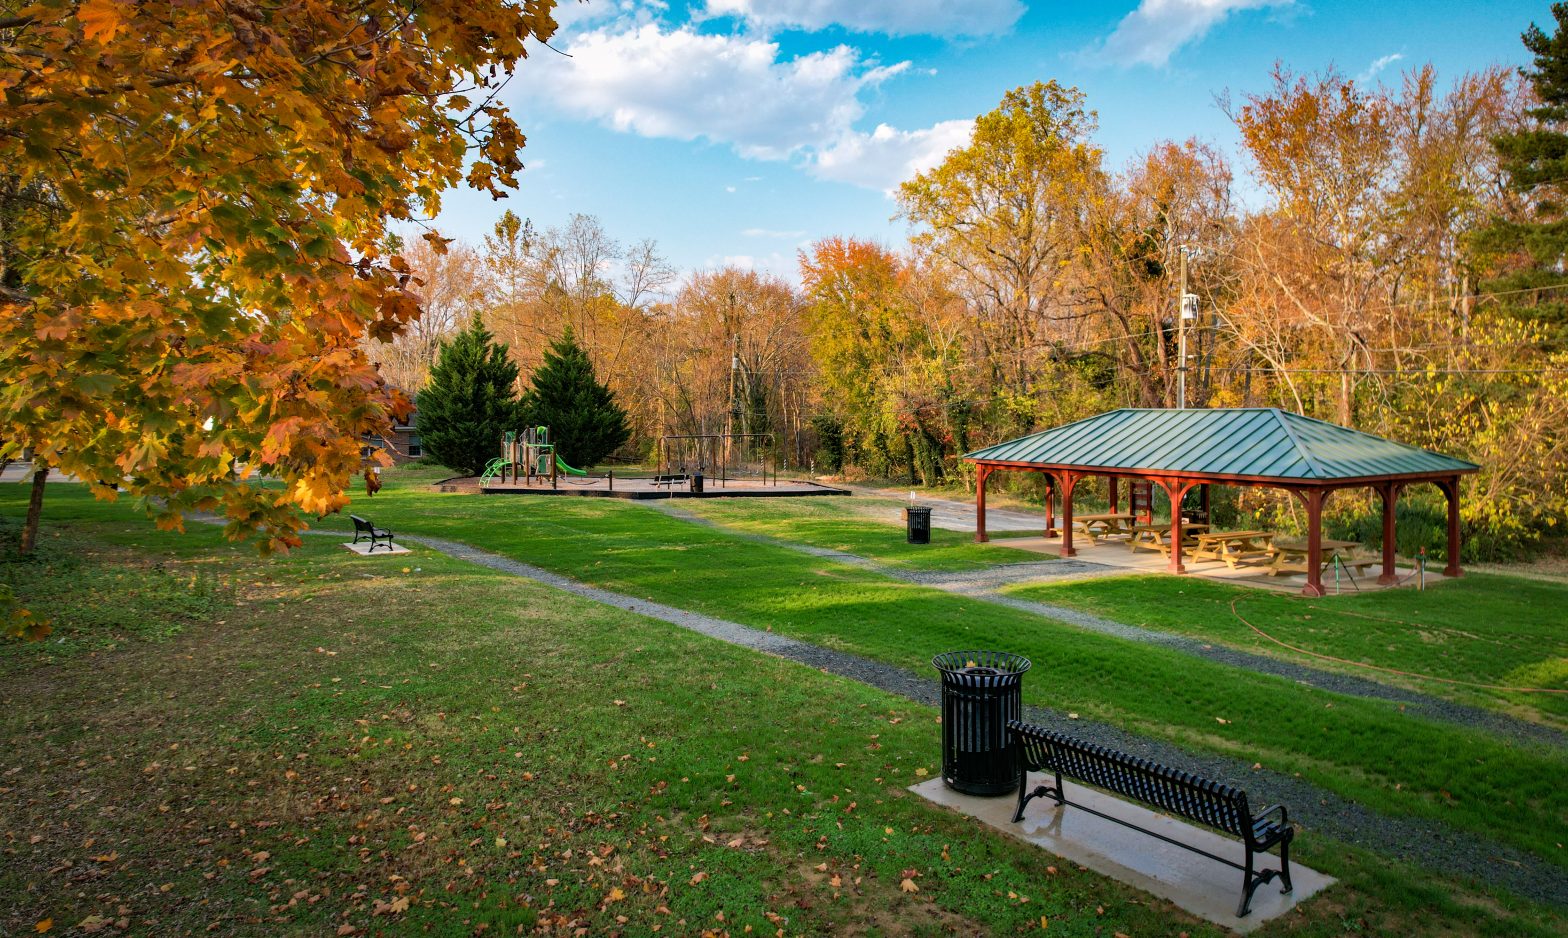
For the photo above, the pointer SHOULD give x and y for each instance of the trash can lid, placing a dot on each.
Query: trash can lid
(980, 663)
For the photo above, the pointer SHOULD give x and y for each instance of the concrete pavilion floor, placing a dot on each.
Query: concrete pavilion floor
(1113, 552)
(1008, 527)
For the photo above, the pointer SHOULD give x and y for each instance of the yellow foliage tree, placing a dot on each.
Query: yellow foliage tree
(194, 203)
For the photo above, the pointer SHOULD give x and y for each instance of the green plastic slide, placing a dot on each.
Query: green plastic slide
(568, 469)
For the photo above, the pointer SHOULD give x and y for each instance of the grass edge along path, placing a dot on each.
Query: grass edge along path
(1428, 843)
(433, 773)
(1409, 631)
(288, 698)
(1352, 746)
(974, 584)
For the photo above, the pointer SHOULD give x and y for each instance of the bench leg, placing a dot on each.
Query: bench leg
(1252, 880)
(1284, 865)
(1040, 791)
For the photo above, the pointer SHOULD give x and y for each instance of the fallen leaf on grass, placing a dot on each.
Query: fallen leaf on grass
(698, 878)
(43, 925)
(908, 885)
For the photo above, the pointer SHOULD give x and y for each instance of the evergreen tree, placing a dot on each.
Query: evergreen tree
(470, 401)
(1529, 254)
(585, 423)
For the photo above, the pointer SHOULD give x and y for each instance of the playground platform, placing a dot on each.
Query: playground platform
(635, 488)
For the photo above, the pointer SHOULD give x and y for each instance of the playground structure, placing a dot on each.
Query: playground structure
(526, 457)
(718, 457)
(737, 465)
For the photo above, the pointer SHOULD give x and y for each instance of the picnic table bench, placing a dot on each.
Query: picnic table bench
(1158, 537)
(363, 528)
(1108, 524)
(1291, 556)
(1197, 799)
(672, 479)
(1233, 547)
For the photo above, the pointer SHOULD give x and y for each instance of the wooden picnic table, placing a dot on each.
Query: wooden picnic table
(1158, 537)
(1291, 556)
(1233, 547)
(1107, 524)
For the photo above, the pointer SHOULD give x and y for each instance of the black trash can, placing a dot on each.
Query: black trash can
(981, 691)
(696, 483)
(917, 525)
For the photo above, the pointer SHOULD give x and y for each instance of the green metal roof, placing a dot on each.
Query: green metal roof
(1244, 441)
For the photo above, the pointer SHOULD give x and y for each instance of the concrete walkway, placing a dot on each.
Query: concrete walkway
(951, 515)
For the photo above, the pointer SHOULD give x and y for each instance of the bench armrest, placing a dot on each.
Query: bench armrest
(1284, 817)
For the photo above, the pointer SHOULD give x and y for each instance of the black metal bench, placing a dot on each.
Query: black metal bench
(1209, 803)
(378, 536)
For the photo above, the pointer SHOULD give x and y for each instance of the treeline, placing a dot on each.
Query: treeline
(1386, 257)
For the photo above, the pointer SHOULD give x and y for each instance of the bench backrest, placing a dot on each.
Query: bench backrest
(360, 524)
(1194, 798)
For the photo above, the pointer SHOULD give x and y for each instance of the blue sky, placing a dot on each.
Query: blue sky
(738, 131)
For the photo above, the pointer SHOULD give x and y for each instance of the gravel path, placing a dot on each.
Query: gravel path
(984, 584)
(1429, 843)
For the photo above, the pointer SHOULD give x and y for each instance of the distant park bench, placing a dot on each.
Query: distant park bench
(1197, 799)
(378, 536)
(672, 479)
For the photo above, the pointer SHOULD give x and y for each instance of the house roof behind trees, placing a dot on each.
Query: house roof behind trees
(1249, 443)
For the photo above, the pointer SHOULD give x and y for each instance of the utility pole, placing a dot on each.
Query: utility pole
(1187, 308)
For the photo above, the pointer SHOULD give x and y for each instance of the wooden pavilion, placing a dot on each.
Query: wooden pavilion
(1179, 450)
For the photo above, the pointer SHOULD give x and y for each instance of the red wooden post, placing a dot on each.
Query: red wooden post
(1176, 492)
(1110, 481)
(1314, 499)
(1050, 505)
(1069, 481)
(1450, 489)
(981, 473)
(1390, 494)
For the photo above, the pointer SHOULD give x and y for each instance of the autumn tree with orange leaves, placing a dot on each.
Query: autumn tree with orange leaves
(194, 203)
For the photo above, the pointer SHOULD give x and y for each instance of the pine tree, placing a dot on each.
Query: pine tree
(1528, 255)
(470, 401)
(585, 423)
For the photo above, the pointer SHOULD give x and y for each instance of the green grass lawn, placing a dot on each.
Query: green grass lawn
(1356, 747)
(844, 524)
(328, 744)
(1486, 629)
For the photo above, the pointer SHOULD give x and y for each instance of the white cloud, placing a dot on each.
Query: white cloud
(1379, 65)
(1150, 34)
(888, 156)
(738, 91)
(891, 17)
(770, 233)
(725, 89)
